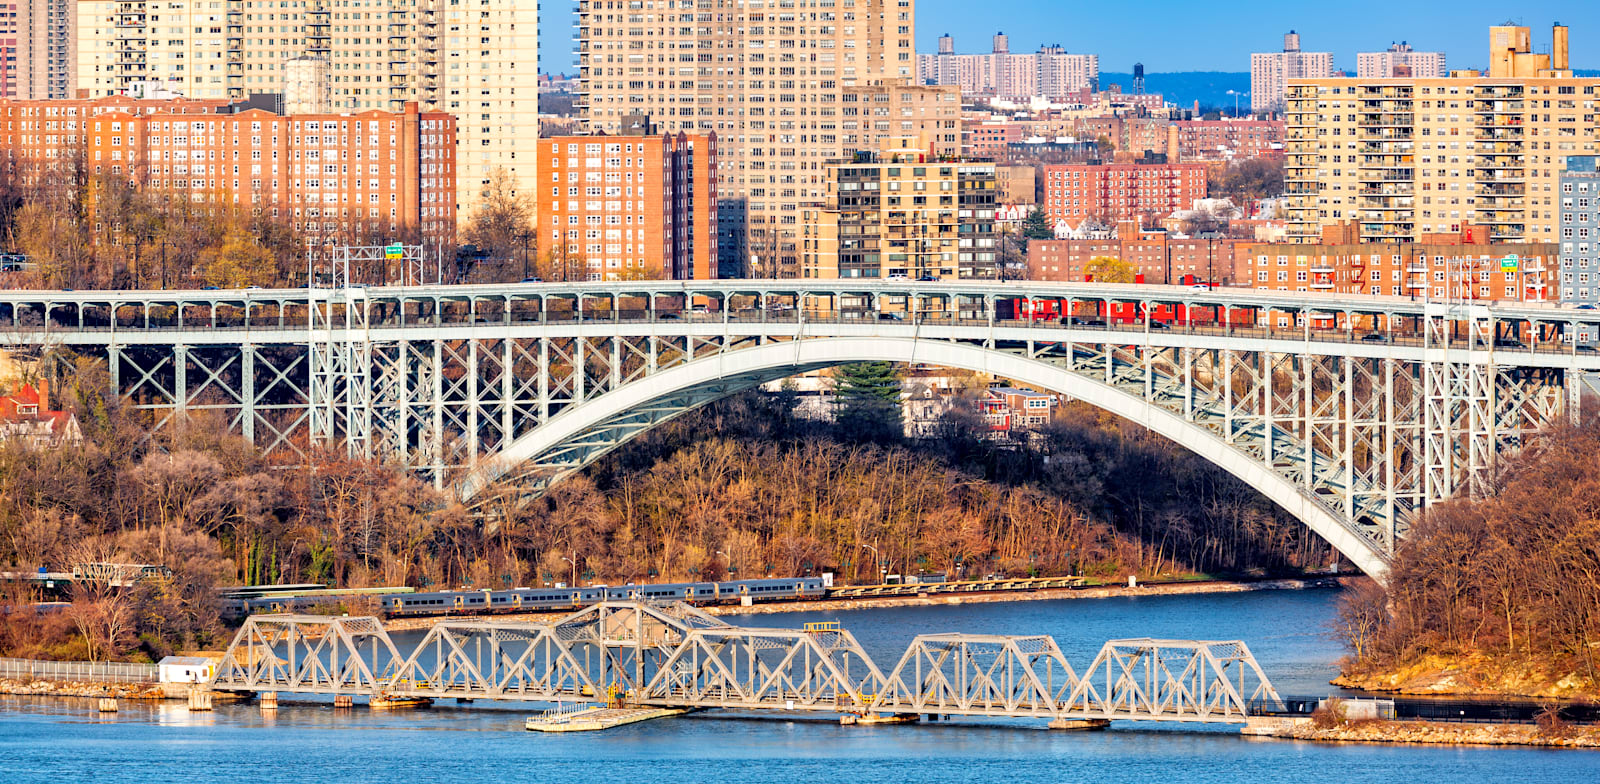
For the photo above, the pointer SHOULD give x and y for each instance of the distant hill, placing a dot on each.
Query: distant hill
(1210, 88)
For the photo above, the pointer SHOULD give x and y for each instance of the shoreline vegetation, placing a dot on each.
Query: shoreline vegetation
(1494, 595)
(743, 488)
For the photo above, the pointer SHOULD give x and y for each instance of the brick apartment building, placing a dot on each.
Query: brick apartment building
(1156, 255)
(635, 205)
(990, 139)
(1463, 265)
(365, 178)
(1133, 136)
(1110, 192)
(1229, 140)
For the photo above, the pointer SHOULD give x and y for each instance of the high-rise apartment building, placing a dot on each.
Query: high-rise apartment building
(477, 62)
(903, 212)
(1400, 61)
(1405, 157)
(787, 85)
(1049, 72)
(1580, 233)
(369, 177)
(636, 205)
(36, 48)
(1270, 72)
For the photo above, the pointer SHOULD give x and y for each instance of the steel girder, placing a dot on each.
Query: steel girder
(636, 653)
(979, 675)
(311, 654)
(1187, 680)
(455, 382)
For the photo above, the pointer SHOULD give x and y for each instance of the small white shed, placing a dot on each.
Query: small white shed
(186, 669)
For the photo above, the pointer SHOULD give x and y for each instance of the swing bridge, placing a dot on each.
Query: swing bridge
(674, 656)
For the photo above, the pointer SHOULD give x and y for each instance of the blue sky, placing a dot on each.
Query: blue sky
(1184, 35)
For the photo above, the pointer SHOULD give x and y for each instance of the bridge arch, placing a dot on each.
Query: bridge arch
(586, 431)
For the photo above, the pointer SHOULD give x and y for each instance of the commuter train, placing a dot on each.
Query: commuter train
(533, 599)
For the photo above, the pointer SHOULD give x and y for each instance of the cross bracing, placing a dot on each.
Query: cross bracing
(675, 656)
(1353, 413)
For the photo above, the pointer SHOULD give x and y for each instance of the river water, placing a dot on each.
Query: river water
(56, 740)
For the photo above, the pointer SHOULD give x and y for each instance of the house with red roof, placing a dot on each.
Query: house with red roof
(27, 415)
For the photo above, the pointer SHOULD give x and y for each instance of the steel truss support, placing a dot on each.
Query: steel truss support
(313, 654)
(1186, 679)
(979, 675)
(636, 653)
(522, 385)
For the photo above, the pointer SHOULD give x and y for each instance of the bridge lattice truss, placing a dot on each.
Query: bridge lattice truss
(676, 656)
(1354, 415)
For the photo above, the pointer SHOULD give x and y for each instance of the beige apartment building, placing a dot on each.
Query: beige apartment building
(787, 85)
(1411, 156)
(902, 212)
(478, 62)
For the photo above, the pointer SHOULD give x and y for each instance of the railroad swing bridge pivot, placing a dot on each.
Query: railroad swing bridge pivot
(674, 656)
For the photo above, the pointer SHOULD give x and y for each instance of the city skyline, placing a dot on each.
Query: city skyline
(1228, 38)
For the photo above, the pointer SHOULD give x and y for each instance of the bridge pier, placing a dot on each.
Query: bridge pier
(1079, 724)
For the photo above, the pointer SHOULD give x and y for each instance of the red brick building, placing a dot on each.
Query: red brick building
(638, 205)
(1112, 192)
(1229, 140)
(1464, 265)
(1156, 255)
(370, 178)
(989, 140)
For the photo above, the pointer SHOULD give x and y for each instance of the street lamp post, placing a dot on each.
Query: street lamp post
(574, 583)
(524, 236)
(875, 557)
(731, 568)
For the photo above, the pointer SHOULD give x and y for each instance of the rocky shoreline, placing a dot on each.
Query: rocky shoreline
(1442, 733)
(1470, 676)
(121, 691)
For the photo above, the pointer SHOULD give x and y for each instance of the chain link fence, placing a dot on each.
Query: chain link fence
(86, 672)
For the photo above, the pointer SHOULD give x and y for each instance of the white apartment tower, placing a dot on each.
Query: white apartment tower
(787, 85)
(1050, 72)
(1400, 60)
(477, 61)
(1270, 72)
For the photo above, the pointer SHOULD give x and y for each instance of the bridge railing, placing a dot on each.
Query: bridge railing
(81, 672)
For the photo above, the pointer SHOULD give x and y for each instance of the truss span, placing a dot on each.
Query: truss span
(635, 654)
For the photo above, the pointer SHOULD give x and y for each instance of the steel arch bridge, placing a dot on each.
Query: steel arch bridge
(1352, 413)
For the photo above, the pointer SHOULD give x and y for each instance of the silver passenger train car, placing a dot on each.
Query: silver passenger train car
(535, 599)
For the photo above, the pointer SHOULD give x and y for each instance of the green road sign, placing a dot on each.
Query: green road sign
(394, 251)
(1509, 262)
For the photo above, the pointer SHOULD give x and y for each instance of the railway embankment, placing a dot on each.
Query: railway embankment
(951, 599)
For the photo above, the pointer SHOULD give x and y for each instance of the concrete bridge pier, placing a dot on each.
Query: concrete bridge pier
(1079, 724)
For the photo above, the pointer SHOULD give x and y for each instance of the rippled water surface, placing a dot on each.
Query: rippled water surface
(61, 740)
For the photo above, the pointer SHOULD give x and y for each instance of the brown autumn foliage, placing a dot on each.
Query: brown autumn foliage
(742, 486)
(1509, 583)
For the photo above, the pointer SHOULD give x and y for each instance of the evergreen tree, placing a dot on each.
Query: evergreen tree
(1037, 227)
(867, 396)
